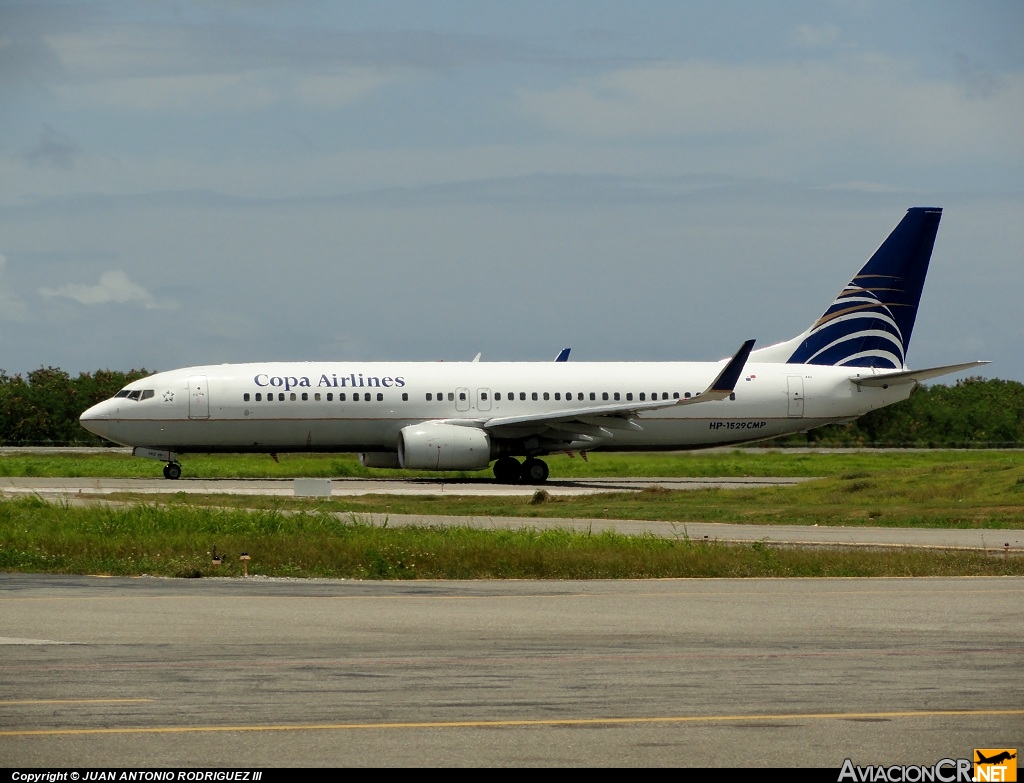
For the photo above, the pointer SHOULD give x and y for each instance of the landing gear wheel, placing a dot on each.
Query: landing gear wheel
(172, 470)
(534, 471)
(507, 470)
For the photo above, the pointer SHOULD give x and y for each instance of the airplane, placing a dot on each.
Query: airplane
(464, 416)
(996, 759)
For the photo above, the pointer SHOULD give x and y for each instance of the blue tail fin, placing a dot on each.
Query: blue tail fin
(869, 324)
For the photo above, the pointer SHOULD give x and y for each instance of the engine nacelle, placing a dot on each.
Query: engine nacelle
(437, 446)
(379, 459)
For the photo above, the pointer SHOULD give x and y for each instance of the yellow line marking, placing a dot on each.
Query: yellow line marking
(76, 701)
(514, 723)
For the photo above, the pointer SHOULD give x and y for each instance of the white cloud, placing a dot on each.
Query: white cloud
(113, 287)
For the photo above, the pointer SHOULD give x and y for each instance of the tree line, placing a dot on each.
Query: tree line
(41, 408)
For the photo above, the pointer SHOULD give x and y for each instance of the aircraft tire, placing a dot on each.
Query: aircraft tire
(507, 470)
(172, 470)
(535, 471)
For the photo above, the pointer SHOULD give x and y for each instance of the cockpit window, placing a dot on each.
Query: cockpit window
(135, 394)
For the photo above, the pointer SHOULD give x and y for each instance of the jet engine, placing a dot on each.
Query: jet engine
(438, 446)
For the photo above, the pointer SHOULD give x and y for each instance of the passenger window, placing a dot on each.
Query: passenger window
(380, 396)
(616, 395)
(686, 396)
(732, 396)
(405, 396)
(292, 395)
(547, 396)
(259, 397)
(533, 396)
(341, 396)
(675, 395)
(483, 395)
(429, 396)
(522, 395)
(451, 396)
(664, 395)
(305, 396)
(629, 396)
(497, 396)
(330, 396)
(462, 396)
(581, 395)
(280, 396)
(317, 396)
(593, 395)
(604, 395)
(558, 395)
(246, 396)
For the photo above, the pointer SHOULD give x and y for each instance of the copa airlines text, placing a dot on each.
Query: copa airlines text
(351, 381)
(466, 415)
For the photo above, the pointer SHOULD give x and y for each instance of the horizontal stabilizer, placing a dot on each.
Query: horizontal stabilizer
(913, 376)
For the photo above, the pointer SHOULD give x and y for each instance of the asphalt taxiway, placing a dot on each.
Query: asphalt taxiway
(249, 673)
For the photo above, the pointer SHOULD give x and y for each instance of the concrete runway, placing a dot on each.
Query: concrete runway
(249, 673)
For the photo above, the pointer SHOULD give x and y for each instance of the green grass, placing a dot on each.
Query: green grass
(180, 542)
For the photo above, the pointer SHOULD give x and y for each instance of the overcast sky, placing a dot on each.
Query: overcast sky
(186, 183)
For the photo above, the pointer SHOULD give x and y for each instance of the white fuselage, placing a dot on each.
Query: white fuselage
(331, 406)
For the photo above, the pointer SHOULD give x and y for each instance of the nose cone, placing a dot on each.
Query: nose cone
(97, 418)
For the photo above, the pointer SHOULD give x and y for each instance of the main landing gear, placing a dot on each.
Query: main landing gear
(508, 470)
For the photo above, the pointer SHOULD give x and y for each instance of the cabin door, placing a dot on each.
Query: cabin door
(198, 397)
(796, 396)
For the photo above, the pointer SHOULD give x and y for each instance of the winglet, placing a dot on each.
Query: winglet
(727, 378)
(725, 383)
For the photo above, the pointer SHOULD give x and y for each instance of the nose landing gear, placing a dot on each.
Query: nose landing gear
(172, 470)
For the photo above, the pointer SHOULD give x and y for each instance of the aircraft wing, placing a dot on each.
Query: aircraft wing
(913, 376)
(599, 420)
